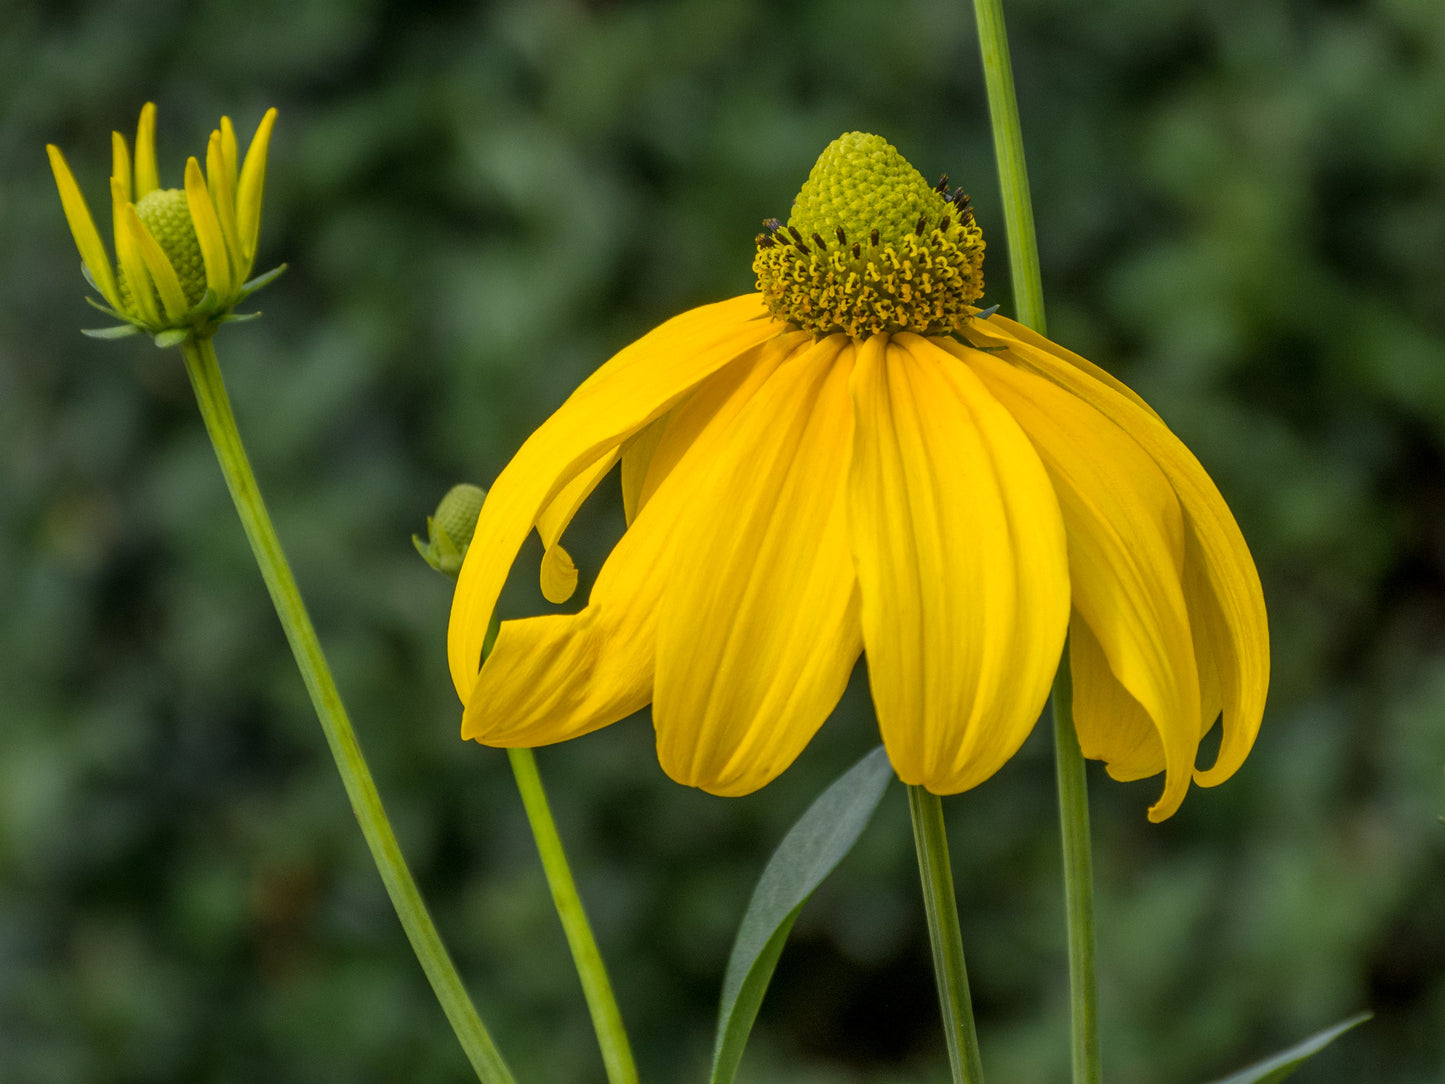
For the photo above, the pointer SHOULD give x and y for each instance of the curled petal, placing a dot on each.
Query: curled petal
(638, 385)
(249, 190)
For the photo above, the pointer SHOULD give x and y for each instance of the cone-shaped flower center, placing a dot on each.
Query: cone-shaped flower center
(871, 246)
(167, 217)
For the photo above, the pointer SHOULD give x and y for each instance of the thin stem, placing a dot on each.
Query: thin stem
(205, 374)
(1008, 146)
(1078, 881)
(941, 906)
(1073, 798)
(606, 1017)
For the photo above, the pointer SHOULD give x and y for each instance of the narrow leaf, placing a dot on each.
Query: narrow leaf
(118, 332)
(808, 853)
(1283, 1064)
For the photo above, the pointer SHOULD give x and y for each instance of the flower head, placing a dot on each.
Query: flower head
(183, 256)
(857, 460)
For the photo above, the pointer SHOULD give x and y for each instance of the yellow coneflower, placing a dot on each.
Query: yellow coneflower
(183, 256)
(856, 459)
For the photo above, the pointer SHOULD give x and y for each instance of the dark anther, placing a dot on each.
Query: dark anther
(772, 224)
(822, 245)
(765, 240)
(922, 225)
(857, 252)
(873, 238)
(842, 237)
(943, 224)
(797, 237)
(942, 185)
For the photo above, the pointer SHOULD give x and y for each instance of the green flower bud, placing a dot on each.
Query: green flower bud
(449, 529)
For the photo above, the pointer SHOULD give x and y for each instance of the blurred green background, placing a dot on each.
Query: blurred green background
(1241, 209)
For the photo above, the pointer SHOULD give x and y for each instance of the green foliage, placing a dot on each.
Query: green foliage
(1241, 210)
(808, 853)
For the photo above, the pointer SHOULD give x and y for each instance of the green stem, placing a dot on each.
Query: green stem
(606, 1018)
(205, 374)
(1078, 881)
(1029, 299)
(941, 906)
(1008, 147)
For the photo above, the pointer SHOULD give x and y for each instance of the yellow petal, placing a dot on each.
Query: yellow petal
(1126, 555)
(120, 168)
(230, 159)
(221, 183)
(82, 228)
(1230, 600)
(250, 188)
(638, 385)
(759, 627)
(637, 456)
(168, 286)
(962, 565)
(559, 574)
(208, 233)
(556, 677)
(1111, 724)
(147, 176)
(1001, 330)
(132, 264)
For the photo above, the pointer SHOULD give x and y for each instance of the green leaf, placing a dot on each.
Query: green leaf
(118, 332)
(1286, 1062)
(808, 853)
(172, 336)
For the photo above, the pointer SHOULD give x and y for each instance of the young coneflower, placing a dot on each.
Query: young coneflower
(856, 459)
(182, 255)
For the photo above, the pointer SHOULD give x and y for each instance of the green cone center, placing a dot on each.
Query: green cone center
(167, 217)
(872, 247)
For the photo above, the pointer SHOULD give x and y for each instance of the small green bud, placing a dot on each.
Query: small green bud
(450, 528)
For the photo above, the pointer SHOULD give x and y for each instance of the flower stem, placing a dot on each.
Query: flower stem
(1078, 880)
(606, 1017)
(205, 374)
(941, 906)
(1073, 797)
(1008, 147)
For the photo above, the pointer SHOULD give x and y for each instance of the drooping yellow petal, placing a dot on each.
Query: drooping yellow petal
(168, 285)
(759, 627)
(147, 175)
(120, 168)
(962, 564)
(220, 182)
(1126, 556)
(556, 677)
(82, 228)
(559, 574)
(249, 190)
(1231, 601)
(1111, 724)
(132, 264)
(639, 384)
(208, 233)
